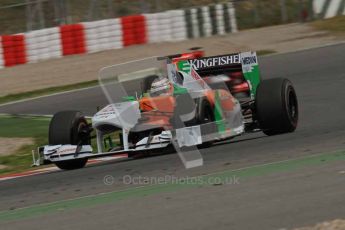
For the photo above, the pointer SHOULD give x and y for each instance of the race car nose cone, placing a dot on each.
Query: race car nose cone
(122, 115)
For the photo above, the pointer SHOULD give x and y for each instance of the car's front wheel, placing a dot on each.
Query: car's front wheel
(65, 128)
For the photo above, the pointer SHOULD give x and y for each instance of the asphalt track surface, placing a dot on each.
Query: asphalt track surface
(280, 199)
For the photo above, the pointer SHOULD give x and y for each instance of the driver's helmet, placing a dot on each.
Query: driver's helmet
(160, 86)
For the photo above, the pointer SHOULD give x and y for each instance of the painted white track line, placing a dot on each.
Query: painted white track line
(49, 95)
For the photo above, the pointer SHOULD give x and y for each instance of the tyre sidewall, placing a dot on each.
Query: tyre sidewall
(272, 106)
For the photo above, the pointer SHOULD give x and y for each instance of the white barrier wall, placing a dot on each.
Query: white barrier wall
(194, 23)
(103, 35)
(43, 44)
(210, 20)
(220, 19)
(158, 27)
(206, 25)
(178, 25)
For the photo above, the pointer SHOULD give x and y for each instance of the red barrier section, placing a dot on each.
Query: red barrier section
(140, 29)
(13, 49)
(72, 39)
(134, 30)
(128, 36)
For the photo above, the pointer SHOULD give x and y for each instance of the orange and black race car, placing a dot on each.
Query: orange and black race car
(186, 101)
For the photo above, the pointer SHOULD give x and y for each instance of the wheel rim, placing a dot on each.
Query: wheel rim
(207, 117)
(292, 105)
(82, 137)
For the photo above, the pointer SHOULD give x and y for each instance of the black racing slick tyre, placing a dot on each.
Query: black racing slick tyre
(204, 111)
(65, 128)
(276, 106)
(71, 164)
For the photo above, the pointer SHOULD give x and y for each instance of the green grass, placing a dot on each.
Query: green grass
(36, 128)
(46, 91)
(336, 24)
(26, 127)
(23, 126)
(22, 159)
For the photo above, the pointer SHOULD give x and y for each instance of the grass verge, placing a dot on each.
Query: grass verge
(336, 24)
(46, 91)
(36, 128)
(26, 127)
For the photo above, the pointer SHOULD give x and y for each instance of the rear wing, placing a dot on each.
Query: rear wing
(246, 63)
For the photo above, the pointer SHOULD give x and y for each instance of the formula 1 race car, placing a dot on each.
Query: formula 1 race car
(173, 101)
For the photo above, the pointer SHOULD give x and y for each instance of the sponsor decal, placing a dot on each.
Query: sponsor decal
(183, 66)
(198, 79)
(189, 136)
(172, 73)
(248, 60)
(106, 112)
(69, 150)
(195, 75)
(215, 61)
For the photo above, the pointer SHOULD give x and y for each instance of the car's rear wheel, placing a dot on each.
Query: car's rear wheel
(276, 106)
(199, 112)
(65, 128)
(205, 115)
